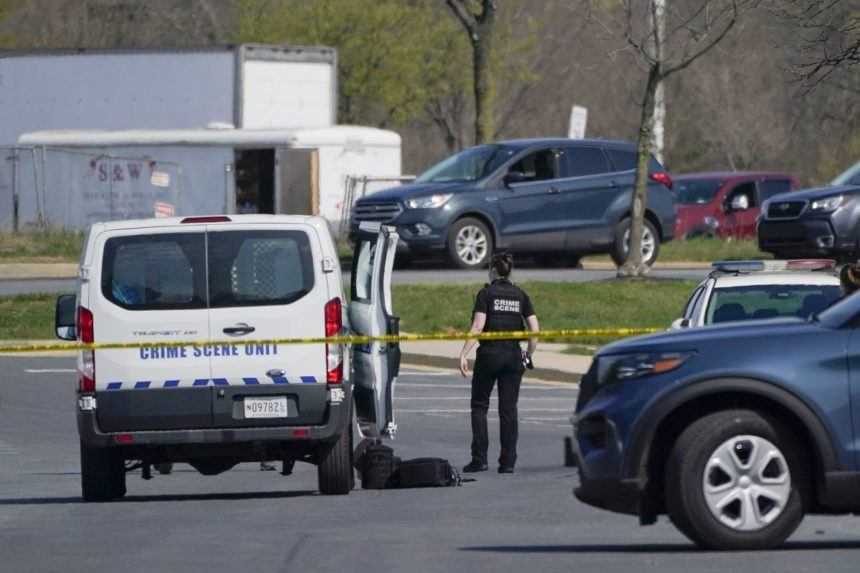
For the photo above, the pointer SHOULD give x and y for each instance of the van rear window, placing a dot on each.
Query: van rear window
(155, 272)
(253, 268)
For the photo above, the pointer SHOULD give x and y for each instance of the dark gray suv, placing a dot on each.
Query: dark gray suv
(559, 199)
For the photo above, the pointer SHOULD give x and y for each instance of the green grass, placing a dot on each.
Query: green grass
(41, 247)
(605, 304)
(708, 250)
(447, 308)
(27, 317)
(701, 250)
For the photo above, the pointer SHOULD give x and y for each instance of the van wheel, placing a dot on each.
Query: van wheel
(650, 243)
(102, 474)
(735, 480)
(470, 243)
(334, 472)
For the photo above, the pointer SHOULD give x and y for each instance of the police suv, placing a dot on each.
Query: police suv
(215, 290)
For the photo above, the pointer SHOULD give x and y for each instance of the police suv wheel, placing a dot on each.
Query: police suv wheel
(650, 243)
(102, 474)
(334, 472)
(735, 480)
(470, 243)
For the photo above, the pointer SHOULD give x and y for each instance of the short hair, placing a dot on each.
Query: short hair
(502, 263)
(849, 277)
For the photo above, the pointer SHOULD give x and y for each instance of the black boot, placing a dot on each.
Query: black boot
(474, 466)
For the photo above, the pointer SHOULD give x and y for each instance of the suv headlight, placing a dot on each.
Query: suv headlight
(828, 204)
(430, 202)
(631, 366)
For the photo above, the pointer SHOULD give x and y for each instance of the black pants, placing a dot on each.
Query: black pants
(506, 366)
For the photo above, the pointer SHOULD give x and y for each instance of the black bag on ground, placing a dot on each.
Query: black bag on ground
(376, 464)
(425, 472)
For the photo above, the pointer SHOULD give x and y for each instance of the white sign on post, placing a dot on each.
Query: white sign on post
(578, 122)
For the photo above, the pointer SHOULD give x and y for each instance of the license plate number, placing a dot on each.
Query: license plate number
(274, 407)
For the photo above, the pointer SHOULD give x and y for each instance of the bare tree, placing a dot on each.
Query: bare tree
(479, 24)
(829, 35)
(693, 28)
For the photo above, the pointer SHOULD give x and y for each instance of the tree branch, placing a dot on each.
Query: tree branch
(466, 18)
(689, 59)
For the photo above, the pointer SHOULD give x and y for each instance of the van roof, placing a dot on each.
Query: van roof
(318, 222)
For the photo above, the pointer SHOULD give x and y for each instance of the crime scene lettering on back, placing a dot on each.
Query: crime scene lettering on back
(506, 305)
(206, 351)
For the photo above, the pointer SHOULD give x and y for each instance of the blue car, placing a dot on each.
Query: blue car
(557, 198)
(734, 431)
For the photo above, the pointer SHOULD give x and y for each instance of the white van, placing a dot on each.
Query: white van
(218, 281)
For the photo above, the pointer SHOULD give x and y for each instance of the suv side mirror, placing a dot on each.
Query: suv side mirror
(680, 323)
(64, 317)
(740, 202)
(512, 177)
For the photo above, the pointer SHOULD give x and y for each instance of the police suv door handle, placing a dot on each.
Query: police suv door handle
(554, 189)
(275, 373)
(240, 329)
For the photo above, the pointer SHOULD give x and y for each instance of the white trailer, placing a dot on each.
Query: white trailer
(71, 178)
(248, 86)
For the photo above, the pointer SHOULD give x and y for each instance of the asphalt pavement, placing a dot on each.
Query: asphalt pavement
(10, 287)
(248, 520)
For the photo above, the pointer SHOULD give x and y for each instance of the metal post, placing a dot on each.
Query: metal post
(15, 221)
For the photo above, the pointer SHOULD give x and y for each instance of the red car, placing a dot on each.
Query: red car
(725, 204)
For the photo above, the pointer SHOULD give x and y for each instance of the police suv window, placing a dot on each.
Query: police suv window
(155, 272)
(254, 268)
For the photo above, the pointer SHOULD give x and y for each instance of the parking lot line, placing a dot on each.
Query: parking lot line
(49, 370)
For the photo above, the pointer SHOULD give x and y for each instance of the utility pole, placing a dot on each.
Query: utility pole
(658, 26)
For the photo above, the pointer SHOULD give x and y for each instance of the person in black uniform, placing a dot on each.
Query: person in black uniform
(499, 306)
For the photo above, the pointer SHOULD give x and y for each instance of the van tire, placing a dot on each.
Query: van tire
(690, 460)
(102, 474)
(619, 249)
(476, 233)
(334, 471)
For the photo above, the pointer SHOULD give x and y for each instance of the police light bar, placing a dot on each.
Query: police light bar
(759, 266)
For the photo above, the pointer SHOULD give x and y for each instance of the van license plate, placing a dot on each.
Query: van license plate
(274, 407)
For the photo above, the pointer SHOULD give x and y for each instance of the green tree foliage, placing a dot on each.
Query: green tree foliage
(395, 56)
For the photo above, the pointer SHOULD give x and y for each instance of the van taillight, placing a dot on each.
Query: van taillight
(334, 352)
(87, 362)
(662, 177)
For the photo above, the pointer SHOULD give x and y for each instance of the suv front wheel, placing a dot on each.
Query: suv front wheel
(650, 242)
(470, 243)
(735, 480)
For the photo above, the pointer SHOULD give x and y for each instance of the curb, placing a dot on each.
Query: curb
(546, 374)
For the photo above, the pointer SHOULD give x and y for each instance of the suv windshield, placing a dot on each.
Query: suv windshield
(696, 192)
(850, 176)
(769, 301)
(468, 165)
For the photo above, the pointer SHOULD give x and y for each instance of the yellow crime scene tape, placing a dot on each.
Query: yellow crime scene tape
(350, 339)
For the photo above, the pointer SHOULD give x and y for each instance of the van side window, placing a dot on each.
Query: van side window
(581, 161)
(155, 272)
(363, 283)
(253, 268)
(538, 166)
